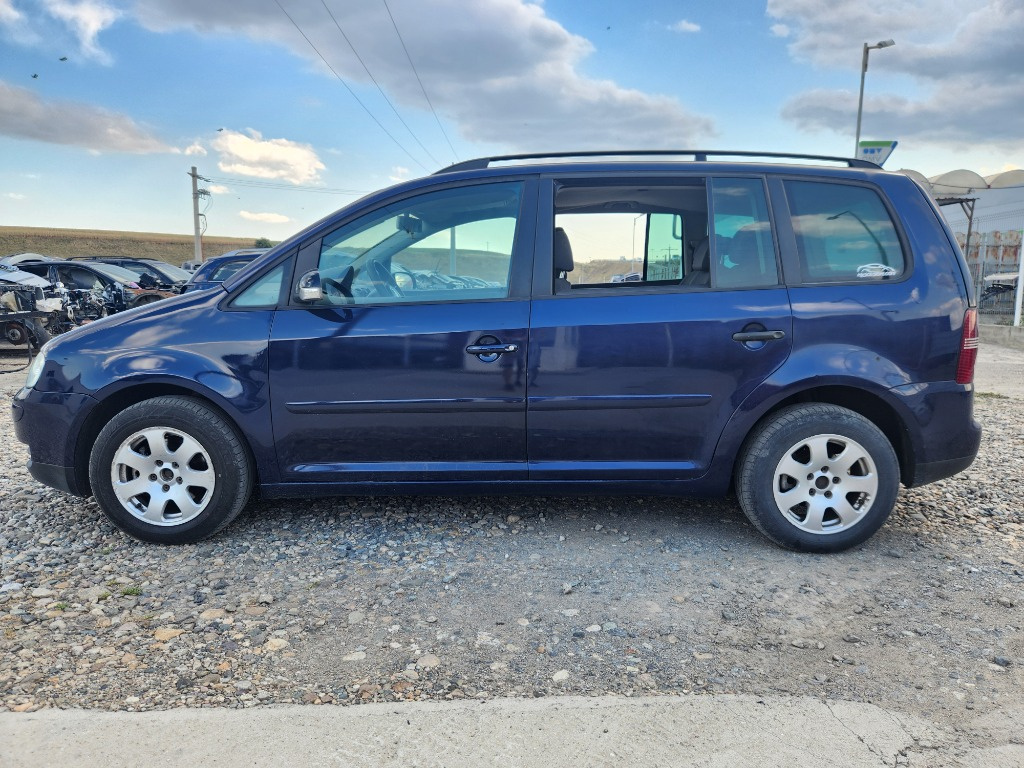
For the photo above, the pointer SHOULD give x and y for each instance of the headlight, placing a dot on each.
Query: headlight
(35, 368)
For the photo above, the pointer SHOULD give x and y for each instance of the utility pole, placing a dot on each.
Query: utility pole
(195, 216)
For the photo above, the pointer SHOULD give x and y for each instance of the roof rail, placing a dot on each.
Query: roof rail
(699, 155)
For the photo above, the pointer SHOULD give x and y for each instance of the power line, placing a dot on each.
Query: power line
(348, 88)
(291, 187)
(374, 80)
(422, 88)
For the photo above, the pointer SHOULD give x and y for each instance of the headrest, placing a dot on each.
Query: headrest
(562, 252)
(743, 249)
(701, 261)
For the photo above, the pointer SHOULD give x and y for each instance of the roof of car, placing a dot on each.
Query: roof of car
(695, 155)
(611, 162)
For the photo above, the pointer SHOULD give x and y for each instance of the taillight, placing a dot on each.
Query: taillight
(968, 348)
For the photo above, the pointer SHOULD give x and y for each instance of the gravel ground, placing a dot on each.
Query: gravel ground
(357, 600)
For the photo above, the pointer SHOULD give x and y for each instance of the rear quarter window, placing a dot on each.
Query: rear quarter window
(844, 233)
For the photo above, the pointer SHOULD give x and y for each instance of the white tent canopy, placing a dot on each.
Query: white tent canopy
(963, 182)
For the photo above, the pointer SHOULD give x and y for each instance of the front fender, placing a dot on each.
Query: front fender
(218, 355)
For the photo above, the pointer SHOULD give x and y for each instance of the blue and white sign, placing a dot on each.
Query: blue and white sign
(876, 152)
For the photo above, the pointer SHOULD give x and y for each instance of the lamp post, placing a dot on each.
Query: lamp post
(632, 258)
(863, 71)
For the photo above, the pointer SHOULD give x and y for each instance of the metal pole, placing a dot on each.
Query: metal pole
(1020, 284)
(860, 100)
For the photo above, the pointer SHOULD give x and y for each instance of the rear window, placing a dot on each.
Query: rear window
(224, 271)
(844, 233)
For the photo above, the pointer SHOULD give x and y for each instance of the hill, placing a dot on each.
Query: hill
(61, 243)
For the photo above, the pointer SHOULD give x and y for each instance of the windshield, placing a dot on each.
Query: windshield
(118, 273)
(173, 272)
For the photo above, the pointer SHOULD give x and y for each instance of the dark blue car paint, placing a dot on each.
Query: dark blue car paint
(663, 366)
(393, 420)
(332, 401)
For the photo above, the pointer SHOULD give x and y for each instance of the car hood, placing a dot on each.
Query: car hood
(9, 274)
(139, 314)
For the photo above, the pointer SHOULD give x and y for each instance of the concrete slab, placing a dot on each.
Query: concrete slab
(710, 731)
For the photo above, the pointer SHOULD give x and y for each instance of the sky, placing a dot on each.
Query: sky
(291, 109)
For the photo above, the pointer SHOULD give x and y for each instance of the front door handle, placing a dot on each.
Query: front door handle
(490, 349)
(488, 353)
(746, 336)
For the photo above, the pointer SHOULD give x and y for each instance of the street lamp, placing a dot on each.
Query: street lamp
(863, 71)
(632, 258)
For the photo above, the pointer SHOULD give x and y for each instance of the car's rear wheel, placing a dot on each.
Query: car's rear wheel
(817, 478)
(170, 470)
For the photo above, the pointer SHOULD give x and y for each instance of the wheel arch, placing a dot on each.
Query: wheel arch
(872, 406)
(117, 401)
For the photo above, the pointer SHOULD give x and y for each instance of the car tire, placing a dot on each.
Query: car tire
(817, 478)
(170, 470)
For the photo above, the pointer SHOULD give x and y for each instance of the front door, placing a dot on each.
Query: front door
(413, 365)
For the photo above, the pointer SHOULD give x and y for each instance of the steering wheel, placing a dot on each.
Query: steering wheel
(334, 290)
(338, 286)
(383, 281)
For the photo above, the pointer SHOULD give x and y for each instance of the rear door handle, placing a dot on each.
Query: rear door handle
(745, 336)
(491, 349)
(488, 353)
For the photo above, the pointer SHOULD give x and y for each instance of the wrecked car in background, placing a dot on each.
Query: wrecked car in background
(113, 288)
(27, 314)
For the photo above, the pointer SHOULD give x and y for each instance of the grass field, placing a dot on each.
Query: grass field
(61, 243)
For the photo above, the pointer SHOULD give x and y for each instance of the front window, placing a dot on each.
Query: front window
(265, 291)
(454, 244)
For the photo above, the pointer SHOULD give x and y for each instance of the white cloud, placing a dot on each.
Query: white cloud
(780, 30)
(218, 189)
(8, 13)
(17, 27)
(964, 63)
(398, 173)
(685, 26)
(503, 71)
(252, 155)
(15, 196)
(195, 148)
(23, 115)
(266, 218)
(86, 19)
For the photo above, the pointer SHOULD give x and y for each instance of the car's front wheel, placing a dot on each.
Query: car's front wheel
(170, 470)
(818, 478)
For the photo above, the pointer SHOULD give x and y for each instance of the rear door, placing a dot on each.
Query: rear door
(672, 313)
(412, 367)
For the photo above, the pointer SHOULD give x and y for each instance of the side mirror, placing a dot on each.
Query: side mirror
(308, 289)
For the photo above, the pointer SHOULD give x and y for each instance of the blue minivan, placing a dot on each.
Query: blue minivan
(802, 334)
